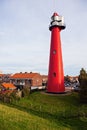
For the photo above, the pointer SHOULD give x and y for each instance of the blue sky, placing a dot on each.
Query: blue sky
(25, 37)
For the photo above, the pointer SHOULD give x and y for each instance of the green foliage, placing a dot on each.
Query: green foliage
(9, 96)
(83, 86)
(26, 90)
(5, 97)
(15, 95)
(44, 112)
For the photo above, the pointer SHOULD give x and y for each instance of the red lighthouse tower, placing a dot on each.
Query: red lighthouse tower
(56, 75)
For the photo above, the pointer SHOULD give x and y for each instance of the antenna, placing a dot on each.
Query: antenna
(54, 5)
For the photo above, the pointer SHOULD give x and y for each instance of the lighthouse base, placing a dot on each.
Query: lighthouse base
(57, 92)
(56, 89)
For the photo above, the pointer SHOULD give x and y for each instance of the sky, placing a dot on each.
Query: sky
(25, 35)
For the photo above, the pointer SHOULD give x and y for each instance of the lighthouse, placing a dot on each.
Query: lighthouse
(55, 82)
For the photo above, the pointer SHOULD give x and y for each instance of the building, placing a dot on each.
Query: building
(5, 77)
(1, 77)
(7, 86)
(33, 79)
(44, 80)
(73, 78)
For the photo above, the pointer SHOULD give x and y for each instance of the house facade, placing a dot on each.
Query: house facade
(33, 79)
(44, 80)
(73, 78)
(1, 77)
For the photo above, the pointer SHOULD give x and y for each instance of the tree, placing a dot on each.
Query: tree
(83, 85)
(26, 90)
(66, 78)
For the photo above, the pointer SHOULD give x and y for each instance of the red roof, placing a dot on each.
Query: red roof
(1, 75)
(8, 85)
(24, 75)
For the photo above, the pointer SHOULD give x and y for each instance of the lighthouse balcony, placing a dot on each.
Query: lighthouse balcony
(57, 24)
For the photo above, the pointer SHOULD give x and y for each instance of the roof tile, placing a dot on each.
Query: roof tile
(8, 85)
(24, 75)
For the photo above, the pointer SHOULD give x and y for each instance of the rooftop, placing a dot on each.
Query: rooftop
(24, 75)
(8, 85)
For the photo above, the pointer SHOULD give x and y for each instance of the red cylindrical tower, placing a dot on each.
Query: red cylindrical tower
(56, 75)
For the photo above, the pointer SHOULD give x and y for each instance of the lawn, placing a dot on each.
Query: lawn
(44, 112)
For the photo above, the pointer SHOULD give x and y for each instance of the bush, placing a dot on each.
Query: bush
(26, 90)
(8, 96)
(83, 86)
(5, 97)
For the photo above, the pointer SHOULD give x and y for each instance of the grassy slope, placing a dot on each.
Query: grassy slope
(44, 112)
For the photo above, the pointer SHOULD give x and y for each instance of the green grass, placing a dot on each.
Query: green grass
(44, 112)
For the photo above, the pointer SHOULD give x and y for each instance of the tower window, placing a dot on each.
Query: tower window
(54, 51)
(54, 74)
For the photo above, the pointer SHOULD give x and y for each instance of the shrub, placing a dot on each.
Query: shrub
(83, 86)
(26, 90)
